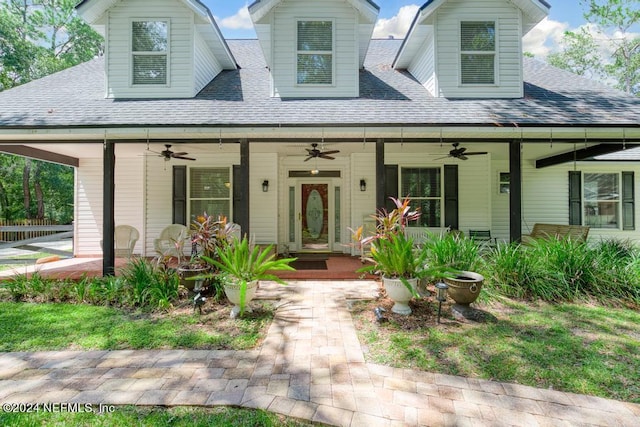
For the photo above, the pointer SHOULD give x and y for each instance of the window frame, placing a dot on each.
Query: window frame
(504, 182)
(332, 53)
(415, 200)
(493, 53)
(192, 215)
(618, 201)
(166, 53)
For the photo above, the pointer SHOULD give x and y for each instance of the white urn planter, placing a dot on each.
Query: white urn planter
(399, 294)
(233, 290)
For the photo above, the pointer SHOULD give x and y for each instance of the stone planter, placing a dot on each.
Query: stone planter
(187, 272)
(464, 289)
(234, 290)
(398, 292)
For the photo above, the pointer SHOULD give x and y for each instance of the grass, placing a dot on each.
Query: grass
(86, 327)
(137, 416)
(577, 348)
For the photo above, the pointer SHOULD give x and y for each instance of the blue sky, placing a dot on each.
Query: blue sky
(395, 16)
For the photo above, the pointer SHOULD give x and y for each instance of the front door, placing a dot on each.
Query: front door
(314, 218)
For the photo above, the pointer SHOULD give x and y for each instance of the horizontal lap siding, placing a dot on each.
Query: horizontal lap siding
(263, 207)
(88, 207)
(159, 188)
(345, 54)
(206, 66)
(363, 203)
(423, 66)
(129, 195)
(509, 54)
(119, 48)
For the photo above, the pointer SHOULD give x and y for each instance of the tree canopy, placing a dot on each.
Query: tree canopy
(40, 37)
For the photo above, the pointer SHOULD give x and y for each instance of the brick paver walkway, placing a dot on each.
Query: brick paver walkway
(310, 366)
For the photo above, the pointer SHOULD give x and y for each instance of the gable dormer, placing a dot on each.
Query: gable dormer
(314, 48)
(462, 49)
(157, 48)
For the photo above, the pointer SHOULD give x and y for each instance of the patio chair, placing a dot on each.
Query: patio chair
(124, 239)
(170, 243)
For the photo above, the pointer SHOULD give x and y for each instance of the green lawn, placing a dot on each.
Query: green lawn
(46, 326)
(577, 348)
(132, 416)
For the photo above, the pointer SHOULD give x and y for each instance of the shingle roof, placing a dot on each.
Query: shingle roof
(75, 97)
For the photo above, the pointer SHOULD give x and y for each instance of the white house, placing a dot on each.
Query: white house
(306, 131)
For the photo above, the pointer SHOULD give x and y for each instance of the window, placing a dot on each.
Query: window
(209, 191)
(149, 52)
(315, 53)
(505, 183)
(424, 187)
(601, 200)
(477, 52)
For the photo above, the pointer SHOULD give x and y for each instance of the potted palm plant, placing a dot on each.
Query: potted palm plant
(395, 257)
(242, 266)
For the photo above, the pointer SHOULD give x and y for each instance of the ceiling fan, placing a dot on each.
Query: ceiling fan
(168, 154)
(315, 153)
(461, 152)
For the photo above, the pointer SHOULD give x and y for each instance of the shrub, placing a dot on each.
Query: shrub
(452, 251)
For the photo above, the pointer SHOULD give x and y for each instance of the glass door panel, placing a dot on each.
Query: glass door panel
(314, 218)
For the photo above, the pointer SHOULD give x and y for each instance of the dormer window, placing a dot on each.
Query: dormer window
(149, 52)
(478, 52)
(315, 52)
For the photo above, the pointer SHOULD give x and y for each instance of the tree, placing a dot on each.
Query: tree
(579, 56)
(40, 37)
(614, 20)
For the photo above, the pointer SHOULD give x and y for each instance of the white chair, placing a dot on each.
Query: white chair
(124, 239)
(171, 241)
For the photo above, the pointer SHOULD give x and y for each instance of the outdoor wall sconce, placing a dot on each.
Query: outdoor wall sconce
(441, 296)
(265, 185)
(363, 185)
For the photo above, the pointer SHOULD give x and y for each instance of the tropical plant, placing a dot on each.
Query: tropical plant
(243, 262)
(452, 250)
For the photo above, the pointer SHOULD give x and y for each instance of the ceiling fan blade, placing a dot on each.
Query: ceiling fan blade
(308, 158)
(182, 157)
(180, 154)
(331, 152)
(462, 157)
(475, 153)
(323, 156)
(444, 157)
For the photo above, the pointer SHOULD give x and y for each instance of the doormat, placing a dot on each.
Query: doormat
(309, 265)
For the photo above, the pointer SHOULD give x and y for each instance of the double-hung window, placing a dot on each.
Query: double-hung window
(314, 54)
(601, 200)
(478, 52)
(149, 52)
(209, 191)
(424, 187)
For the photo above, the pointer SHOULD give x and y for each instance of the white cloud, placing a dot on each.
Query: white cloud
(240, 21)
(545, 38)
(396, 26)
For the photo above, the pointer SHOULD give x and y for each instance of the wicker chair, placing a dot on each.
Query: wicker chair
(124, 239)
(171, 241)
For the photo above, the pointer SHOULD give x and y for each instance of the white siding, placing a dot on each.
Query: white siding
(158, 209)
(499, 202)
(423, 66)
(363, 203)
(129, 202)
(181, 65)
(509, 48)
(346, 53)
(206, 66)
(88, 208)
(263, 207)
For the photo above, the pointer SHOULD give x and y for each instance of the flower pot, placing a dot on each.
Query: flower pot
(187, 272)
(464, 288)
(233, 290)
(398, 292)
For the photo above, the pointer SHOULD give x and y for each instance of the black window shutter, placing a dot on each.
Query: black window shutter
(628, 203)
(390, 186)
(451, 196)
(179, 195)
(575, 198)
